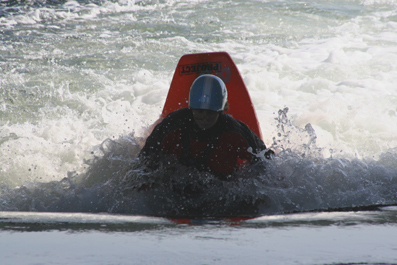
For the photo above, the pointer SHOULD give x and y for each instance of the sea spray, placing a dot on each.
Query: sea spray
(299, 178)
(76, 73)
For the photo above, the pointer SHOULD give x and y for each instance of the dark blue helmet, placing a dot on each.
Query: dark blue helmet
(208, 92)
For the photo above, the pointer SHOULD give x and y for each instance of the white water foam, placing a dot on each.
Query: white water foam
(79, 73)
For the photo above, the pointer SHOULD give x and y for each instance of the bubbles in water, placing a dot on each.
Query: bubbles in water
(76, 73)
(298, 179)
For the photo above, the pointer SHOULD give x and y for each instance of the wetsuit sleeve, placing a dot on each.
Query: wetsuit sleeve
(152, 150)
(254, 142)
(153, 142)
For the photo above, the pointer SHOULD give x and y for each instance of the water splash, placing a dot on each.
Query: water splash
(291, 139)
(298, 179)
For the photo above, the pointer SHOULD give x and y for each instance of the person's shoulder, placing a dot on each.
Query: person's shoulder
(175, 120)
(235, 126)
(232, 124)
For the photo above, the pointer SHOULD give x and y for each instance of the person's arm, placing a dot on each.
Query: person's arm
(152, 151)
(255, 143)
(153, 143)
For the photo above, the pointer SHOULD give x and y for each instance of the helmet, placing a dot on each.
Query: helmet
(208, 92)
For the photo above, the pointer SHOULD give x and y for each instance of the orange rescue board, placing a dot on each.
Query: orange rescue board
(190, 66)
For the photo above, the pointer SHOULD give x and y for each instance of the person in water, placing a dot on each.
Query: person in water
(203, 135)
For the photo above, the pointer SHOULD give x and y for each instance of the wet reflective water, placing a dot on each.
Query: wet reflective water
(81, 81)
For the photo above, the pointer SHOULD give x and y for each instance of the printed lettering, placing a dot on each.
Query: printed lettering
(200, 68)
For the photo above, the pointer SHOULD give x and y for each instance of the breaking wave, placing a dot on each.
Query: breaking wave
(300, 178)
